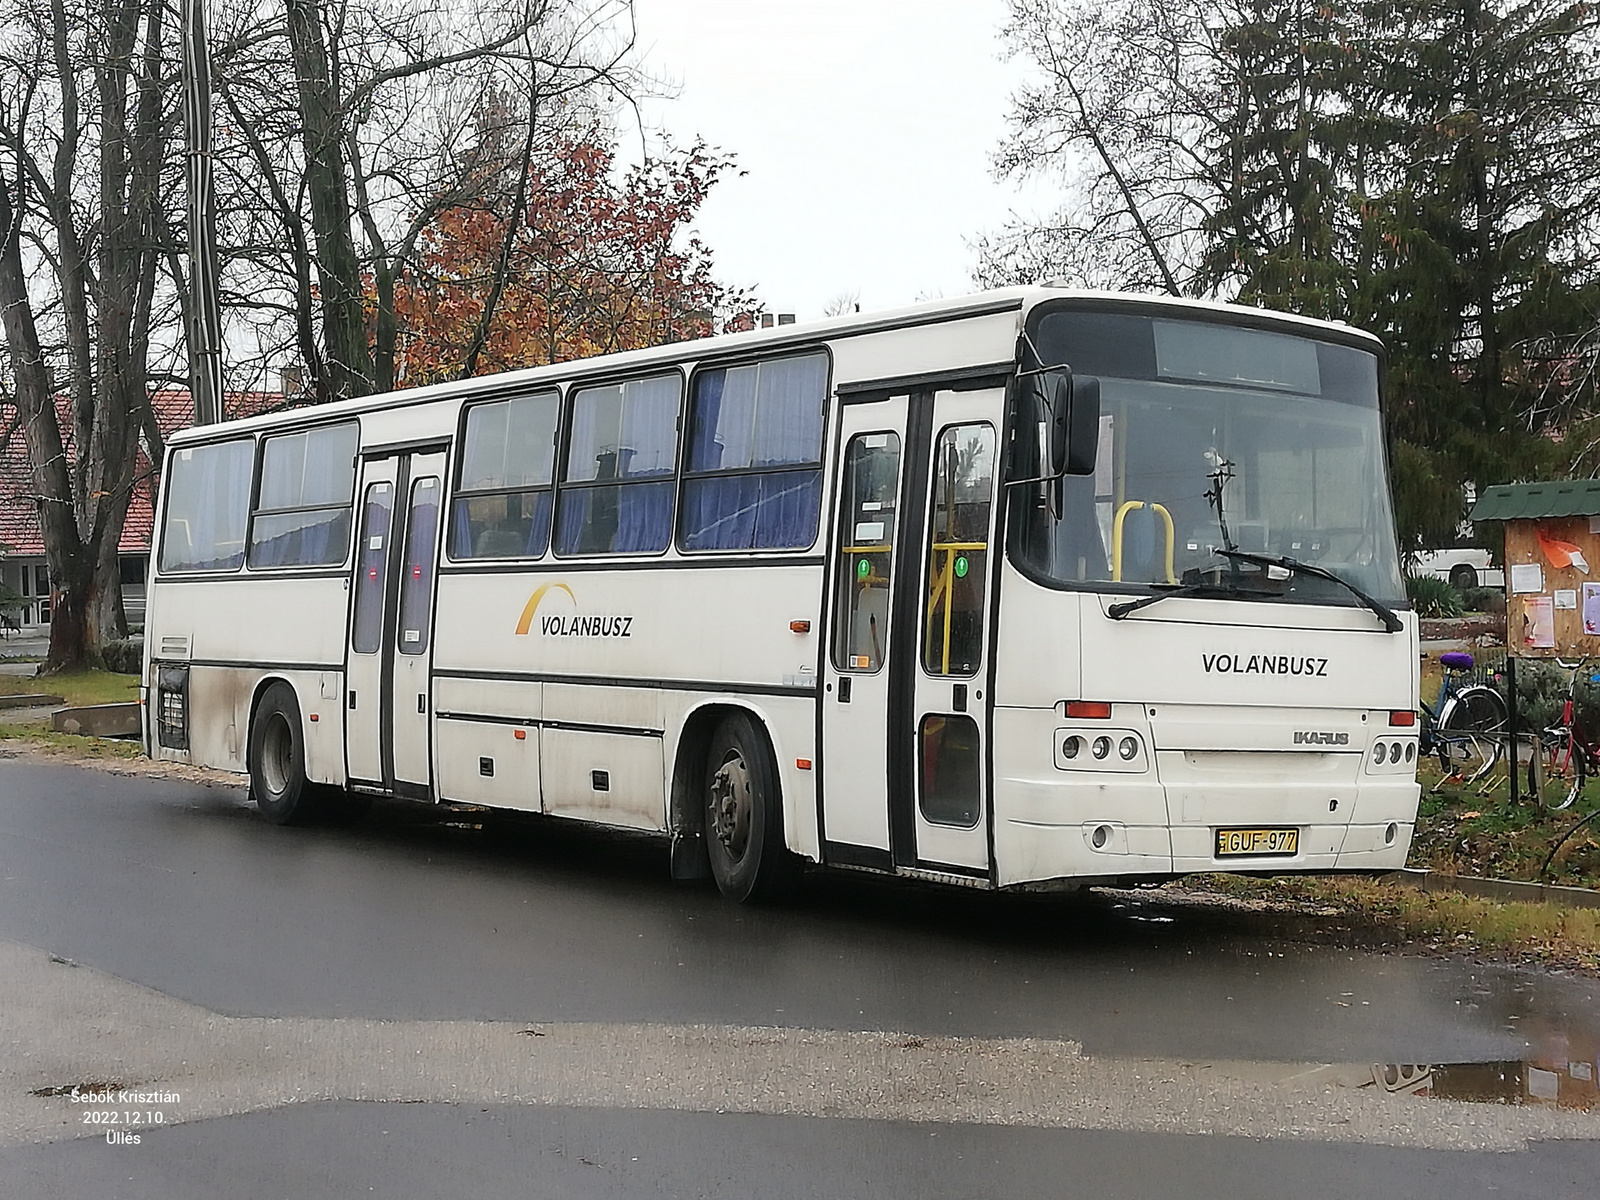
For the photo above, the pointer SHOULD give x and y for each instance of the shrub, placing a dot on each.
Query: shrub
(1484, 600)
(125, 656)
(1431, 596)
(1542, 691)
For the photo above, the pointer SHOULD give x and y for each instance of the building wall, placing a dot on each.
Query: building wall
(27, 576)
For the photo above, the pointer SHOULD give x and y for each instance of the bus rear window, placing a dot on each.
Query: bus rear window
(208, 506)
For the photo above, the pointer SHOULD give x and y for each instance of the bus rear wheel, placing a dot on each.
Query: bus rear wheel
(744, 815)
(278, 782)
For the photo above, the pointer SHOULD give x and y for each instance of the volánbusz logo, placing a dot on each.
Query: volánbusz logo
(1320, 737)
(570, 624)
(585, 625)
(1264, 664)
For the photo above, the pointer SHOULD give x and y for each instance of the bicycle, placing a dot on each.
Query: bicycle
(1465, 728)
(1570, 758)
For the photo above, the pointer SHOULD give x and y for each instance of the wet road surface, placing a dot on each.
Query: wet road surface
(180, 889)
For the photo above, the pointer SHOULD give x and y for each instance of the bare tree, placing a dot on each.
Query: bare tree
(86, 106)
(398, 113)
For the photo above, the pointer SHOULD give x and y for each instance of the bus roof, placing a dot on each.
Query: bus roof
(1020, 299)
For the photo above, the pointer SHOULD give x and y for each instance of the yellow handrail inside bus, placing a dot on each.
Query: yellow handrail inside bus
(1116, 538)
(943, 588)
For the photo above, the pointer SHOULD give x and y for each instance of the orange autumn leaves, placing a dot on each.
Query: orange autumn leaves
(601, 261)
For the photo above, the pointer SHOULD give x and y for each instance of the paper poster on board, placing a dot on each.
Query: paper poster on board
(1526, 577)
(1591, 608)
(1539, 622)
(1566, 598)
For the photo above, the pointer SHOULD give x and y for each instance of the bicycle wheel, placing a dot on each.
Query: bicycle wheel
(1476, 709)
(1569, 785)
(1471, 732)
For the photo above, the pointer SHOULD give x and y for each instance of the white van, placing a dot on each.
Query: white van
(1464, 566)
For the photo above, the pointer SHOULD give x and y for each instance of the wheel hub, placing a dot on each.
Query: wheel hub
(730, 806)
(277, 752)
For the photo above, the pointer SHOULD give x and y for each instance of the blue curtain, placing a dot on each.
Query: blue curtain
(776, 511)
(705, 446)
(460, 530)
(788, 428)
(766, 415)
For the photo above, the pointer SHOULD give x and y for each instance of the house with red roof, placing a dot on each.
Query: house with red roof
(23, 571)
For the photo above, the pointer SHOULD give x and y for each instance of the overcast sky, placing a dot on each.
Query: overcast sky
(864, 127)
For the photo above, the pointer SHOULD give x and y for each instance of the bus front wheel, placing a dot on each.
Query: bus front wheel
(744, 815)
(278, 782)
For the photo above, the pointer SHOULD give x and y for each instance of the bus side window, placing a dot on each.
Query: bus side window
(866, 551)
(503, 502)
(958, 549)
(754, 470)
(617, 491)
(302, 512)
(366, 634)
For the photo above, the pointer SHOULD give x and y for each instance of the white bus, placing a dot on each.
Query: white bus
(1031, 588)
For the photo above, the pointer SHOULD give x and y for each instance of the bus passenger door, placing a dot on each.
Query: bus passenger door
(388, 701)
(953, 612)
(856, 719)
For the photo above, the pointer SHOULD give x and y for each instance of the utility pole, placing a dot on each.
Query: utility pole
(205, 316)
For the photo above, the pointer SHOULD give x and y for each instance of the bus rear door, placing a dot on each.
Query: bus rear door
(388, 658)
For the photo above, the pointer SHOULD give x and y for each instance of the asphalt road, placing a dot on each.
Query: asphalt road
(564, 1021)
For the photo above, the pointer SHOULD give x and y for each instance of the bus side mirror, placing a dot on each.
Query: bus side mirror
(1082, 424)
(1071, 416)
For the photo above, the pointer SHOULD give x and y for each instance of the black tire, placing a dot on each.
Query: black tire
(1536, 771)
(278, 782)
(1463, 577)
(1478, 709)
(744, 815)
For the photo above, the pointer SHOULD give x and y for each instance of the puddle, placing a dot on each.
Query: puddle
(1548, 1082)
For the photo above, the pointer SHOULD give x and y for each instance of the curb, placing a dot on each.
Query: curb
(1496, 889)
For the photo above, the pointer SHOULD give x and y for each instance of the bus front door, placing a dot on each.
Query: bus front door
(947, 658)
(388, 702)
(906, 696)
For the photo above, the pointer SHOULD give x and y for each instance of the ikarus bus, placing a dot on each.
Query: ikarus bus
(1034, 588)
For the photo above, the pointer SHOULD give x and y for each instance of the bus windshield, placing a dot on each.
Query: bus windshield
(1288, 424)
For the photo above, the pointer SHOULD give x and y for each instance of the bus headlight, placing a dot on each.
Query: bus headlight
(1127, 748)
(1102, 747)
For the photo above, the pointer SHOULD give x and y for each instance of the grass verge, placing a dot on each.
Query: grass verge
(37, 737)
(1394, 913)
(1468, 833)
(78, 687)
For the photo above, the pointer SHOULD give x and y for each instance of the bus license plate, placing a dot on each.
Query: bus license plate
(1232, 843)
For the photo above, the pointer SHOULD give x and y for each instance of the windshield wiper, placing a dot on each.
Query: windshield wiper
(1391, 622)
(1118, 611)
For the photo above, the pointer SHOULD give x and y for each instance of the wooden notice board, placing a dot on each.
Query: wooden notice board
(1546, 608)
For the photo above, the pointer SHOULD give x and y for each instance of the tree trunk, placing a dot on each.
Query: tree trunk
(70, 566)
(344, 326)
